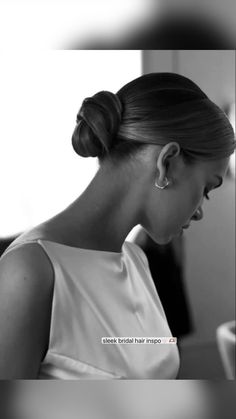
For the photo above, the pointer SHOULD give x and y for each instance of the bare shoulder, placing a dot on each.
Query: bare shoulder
(26, 257)
(26, 288)
(26, 254)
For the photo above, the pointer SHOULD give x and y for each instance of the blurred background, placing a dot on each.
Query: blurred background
(112, 24)
(41, 93)
(116, 399)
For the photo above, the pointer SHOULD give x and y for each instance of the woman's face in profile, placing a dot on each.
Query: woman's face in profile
(178, 205)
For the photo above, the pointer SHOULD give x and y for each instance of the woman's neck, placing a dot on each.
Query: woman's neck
(104, 214)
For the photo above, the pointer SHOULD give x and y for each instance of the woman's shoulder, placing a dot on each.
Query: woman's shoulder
(26, 290)
(25, 257)
(43, 231)
(26, 262)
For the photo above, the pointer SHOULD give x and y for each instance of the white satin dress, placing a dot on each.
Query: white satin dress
(104, 294)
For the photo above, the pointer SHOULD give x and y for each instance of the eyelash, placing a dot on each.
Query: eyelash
(206, 195)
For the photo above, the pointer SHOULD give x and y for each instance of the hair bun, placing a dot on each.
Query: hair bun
(97, 124)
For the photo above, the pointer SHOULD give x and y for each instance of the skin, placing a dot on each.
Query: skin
(168, 210)
(119, 197)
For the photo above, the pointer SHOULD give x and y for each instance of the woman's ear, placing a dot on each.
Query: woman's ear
(167, 152)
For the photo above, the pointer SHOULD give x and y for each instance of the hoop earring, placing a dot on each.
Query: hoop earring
(167, 182)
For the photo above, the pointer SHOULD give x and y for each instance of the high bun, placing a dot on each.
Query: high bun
(98, 122)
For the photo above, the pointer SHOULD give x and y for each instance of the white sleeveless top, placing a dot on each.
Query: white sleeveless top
(104, 294)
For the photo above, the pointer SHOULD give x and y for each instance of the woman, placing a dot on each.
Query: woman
(162, 147)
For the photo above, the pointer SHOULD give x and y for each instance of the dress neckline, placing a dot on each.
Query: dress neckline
(84, 249)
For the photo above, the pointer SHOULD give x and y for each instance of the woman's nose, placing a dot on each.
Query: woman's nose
(198, 215)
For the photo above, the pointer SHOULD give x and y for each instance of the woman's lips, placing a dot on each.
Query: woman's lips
(186, 226)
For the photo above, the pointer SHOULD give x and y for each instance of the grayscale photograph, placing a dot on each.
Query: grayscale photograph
(117, 212)
(117, 216)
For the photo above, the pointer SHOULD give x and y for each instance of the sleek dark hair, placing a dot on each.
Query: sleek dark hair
(155, 108)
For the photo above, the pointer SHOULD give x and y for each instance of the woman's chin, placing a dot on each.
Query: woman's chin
(164, 240)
